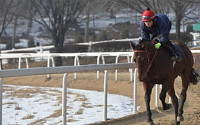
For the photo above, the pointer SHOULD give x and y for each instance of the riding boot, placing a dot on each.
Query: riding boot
(177, 54)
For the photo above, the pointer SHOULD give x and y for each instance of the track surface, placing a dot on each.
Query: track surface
(124, 87)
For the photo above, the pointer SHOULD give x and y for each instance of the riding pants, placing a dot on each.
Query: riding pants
(175, 48)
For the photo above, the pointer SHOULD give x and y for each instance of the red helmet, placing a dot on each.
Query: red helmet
(148, 15)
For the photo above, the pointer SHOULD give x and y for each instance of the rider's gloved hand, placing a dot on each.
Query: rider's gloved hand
(157, 45)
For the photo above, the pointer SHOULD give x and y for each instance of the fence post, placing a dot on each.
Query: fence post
(76, 62)
(53, 62)
(19, 62)
(105, 93)
(157, 88)
(64, 99)
(48, 65)
(1, 98)
(41, 49)
(135, 91)
(116, 61)
(1, 66)
(131, 70)
(98, 62)
(27, 66)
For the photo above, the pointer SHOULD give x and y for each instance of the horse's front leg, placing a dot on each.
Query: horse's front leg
(147, 97)
(163, 92)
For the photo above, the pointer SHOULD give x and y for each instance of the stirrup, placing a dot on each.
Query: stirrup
(176, 58)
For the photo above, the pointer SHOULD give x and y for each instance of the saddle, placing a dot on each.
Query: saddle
(169, 49)
(174, 51)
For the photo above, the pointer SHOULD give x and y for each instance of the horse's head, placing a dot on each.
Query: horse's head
(142, 56)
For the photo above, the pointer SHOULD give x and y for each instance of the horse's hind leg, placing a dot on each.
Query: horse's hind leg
(183, 95)
(172, 94)
(163, 92)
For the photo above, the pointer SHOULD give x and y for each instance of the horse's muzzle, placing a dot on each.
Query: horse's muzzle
(143, 79)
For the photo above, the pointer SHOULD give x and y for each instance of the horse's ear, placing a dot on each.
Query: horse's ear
(144, 45)
(132, 44)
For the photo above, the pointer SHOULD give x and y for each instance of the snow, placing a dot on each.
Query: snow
(22, 42)
(83, 106)
(2, 46)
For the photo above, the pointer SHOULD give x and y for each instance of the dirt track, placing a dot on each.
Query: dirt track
(160, 117)
(124, 87)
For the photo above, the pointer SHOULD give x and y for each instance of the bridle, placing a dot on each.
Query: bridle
(148, 57)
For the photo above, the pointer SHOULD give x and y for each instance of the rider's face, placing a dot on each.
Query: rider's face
(149, 23)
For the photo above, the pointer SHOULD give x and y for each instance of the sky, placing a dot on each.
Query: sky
(39, 103)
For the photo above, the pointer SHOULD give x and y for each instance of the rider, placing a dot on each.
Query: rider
(154, 25)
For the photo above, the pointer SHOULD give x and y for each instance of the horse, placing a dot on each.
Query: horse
(156, 67)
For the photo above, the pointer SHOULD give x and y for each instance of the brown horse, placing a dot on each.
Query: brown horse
(156, 67)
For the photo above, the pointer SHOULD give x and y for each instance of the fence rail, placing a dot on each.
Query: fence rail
(38, 48)
(49, 57)
(63, 69)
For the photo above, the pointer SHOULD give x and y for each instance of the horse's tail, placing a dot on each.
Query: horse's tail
(194, 77)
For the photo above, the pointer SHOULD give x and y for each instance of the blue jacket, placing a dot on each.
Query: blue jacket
(161, 26)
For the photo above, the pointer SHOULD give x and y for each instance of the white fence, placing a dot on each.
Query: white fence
(37, 49)
(72, 69)
(49, 56)
(65, 70)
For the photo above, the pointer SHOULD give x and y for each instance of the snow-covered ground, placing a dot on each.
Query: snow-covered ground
(38, 105)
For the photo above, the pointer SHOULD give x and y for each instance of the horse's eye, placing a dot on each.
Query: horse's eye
(141, 58)
(138, 58)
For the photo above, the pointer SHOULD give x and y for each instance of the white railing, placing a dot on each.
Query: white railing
(38, 49)
(49, 57)
(66, 70)
(77, 64)
(90, 43)
(75, 55)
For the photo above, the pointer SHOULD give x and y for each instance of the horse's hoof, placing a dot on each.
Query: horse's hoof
(167, 106)
(150, 123)
(180, 118)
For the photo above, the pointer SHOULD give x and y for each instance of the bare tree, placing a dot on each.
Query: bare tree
(14, 30)
(159, 6)
(87, 19)
(6, 14)
(15, 14)
(28, 14)
(183, 9)
(92, 8)
(57, 16)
